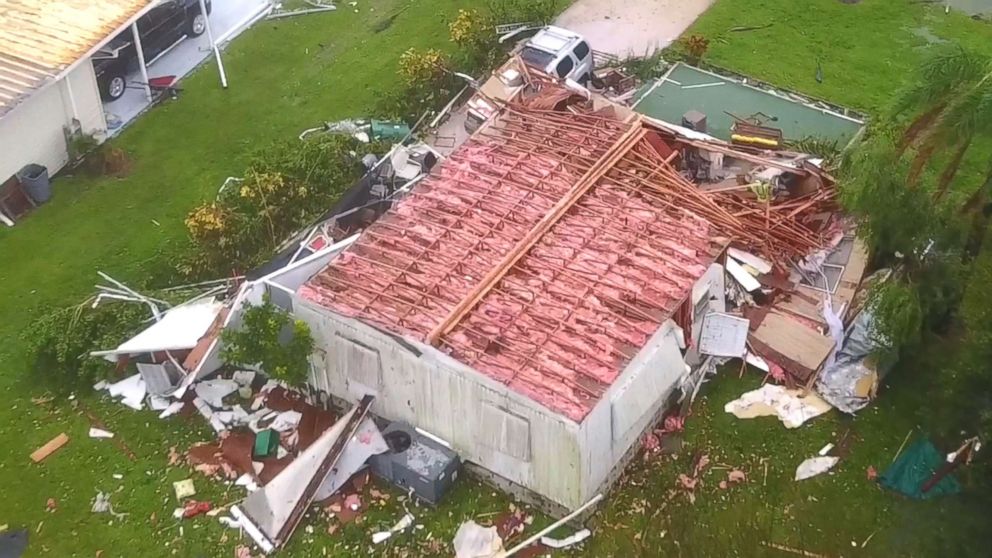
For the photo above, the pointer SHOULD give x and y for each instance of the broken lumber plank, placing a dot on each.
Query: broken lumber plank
(51, 447)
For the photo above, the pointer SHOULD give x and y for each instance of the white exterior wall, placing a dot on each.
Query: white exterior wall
(616, 423)
(484, 421)
(33, 131)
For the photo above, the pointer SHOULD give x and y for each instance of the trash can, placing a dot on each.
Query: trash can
(34, 179)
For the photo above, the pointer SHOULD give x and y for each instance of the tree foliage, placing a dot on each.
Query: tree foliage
(949, 107)
(272, 340)
(59, 343)
(285, 186)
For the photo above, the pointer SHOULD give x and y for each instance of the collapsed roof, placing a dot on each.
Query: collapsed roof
(544, 253)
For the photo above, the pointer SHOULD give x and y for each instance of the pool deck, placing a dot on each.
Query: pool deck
(686, 88)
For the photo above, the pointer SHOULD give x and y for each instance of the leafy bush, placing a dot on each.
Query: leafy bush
(285, 187)
(470, 28)
(272, 340)
(422, 68)
(59, 343)
(695, 47)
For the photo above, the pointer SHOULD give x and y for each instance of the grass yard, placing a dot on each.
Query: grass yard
(284, 76)
(290, 75)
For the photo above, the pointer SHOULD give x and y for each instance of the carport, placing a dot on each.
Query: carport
(227, 19)
(47, 86)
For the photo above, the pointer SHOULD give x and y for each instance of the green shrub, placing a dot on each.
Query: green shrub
(285, 187)
(59, 343)
(272, 340)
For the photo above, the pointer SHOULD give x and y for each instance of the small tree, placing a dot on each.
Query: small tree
(695, 47)
(272, 340)
(422, 68)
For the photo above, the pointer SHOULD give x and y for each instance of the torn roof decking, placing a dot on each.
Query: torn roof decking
(564, 319)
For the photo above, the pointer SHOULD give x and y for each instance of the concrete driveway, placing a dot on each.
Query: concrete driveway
(631, 27)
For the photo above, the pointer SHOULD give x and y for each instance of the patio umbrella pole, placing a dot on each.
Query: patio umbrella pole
(141, 60)
(213, 45)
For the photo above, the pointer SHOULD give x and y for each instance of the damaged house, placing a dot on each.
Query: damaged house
(528, 302)
(540, 296)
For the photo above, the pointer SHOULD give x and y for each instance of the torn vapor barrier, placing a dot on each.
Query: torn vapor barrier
(851, 382)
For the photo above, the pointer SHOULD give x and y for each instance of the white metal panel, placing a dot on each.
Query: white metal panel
(634, 400)
(506, 432)
(428, 389)
(34, 134)
(86, 92)
(362, 363)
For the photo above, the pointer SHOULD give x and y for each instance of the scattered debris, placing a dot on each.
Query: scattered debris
(791, 550)
(49, 448)
(270, 515)
(184, 489)
(544, 532)
(173, 456)
(213, 392)
(871, 473)
(573, 539)
(192, 508)
(51, 505)
(736, 476)
(789, 406)
(401, 525)
(851, 381)
(100, 433)
(131, 390)
(475, 541)
(101, 504)
(815, 466)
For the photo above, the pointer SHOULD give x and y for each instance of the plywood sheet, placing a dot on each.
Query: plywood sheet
(793, 340)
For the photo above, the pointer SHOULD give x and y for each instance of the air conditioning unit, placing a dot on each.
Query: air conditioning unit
(416, 461)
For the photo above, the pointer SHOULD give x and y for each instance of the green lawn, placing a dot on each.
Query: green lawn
(289, 75)
(284, 76)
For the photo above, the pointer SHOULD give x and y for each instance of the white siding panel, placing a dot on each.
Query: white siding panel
(430, 390)
(617, 421)
(505, 432)
(87, 95)
(33, 131)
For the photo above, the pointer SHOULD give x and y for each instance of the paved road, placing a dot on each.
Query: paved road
(631, 27)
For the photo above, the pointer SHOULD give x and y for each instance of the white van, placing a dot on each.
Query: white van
(559, 52)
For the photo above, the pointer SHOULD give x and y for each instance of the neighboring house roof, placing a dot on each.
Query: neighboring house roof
(563, 319)
(40, 40)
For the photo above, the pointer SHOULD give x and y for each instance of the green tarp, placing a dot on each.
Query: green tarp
(914, 468)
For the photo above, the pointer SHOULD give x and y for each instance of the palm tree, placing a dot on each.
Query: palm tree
(951, 106)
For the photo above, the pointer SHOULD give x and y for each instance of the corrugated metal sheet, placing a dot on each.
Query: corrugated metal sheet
(41, 39)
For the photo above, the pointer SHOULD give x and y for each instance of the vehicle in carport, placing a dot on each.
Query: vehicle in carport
(159, 29)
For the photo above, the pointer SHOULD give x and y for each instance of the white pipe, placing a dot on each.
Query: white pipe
(552, 527)
(141, 60)
(213, 45)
